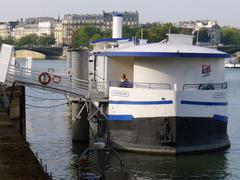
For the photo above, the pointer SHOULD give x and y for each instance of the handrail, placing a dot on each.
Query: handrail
(140, 85)
(205, 86)
(66, 84)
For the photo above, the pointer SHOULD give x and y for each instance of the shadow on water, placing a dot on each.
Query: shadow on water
(201, 166)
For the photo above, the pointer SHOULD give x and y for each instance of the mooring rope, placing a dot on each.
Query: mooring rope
(53, 106)
(50, 99)
(41, 91)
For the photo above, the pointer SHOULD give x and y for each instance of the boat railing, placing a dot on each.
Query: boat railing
(205, 86)
(127, 84)
(98, 90)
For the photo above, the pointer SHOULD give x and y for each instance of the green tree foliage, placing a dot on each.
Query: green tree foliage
(230, 36)
(85, 34)
(34, 40)
(46, 40)
(129, 32)
(158, 32)
(30, 40)
(9, 40)
(154, 33)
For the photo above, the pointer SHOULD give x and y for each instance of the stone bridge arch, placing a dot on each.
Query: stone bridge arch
(41, 52)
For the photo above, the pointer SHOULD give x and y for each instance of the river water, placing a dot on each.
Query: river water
(49, 134)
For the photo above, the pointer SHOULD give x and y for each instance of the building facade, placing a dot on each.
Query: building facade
(58, 34)
(6, 29)
(40, 26)
(214, 30)
(46, 28)
(72, 22)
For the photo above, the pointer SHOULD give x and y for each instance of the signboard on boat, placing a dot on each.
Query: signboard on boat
(206, 70)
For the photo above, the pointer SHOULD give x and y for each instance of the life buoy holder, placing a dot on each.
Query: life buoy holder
(51, 70)
(56, 79)
(44, 78)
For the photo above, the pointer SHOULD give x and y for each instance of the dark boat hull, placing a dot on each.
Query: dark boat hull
(171, 135)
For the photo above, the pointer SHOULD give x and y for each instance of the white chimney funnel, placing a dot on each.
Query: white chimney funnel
(117, 25)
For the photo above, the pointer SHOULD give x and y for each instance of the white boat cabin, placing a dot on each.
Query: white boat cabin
(171, 64)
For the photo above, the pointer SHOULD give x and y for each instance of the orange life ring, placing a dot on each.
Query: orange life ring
(56, 79)
(44, 78)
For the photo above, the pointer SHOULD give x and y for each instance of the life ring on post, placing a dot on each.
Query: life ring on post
(44, 78)
(56, 79)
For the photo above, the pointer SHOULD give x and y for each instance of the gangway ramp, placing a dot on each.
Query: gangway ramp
(45, 80)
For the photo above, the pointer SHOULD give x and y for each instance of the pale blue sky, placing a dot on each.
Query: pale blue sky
(227, 12)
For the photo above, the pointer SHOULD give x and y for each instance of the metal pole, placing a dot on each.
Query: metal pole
(197, 36)
(141, 33)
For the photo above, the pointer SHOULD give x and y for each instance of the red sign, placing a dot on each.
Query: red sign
(206, 70)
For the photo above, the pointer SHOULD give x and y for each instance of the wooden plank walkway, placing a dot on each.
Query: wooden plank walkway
(17, 161)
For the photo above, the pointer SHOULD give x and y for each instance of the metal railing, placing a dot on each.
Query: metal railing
(140, 85)
(205, 86)
(62, 83)
(98, 90)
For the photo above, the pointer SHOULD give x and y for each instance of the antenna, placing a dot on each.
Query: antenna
(197, 36)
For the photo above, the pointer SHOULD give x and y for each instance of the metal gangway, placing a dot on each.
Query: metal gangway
(62, 83)
(12, 74)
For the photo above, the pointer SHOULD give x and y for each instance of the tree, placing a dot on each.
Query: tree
(9, 40)
(158, 32)
(84, 35)
(129, 32)
(46, 40)
(28, 40)
(230, 36)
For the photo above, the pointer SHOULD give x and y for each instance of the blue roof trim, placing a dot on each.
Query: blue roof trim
(109, 40)
(117, 14)
(220, 118)
(204, 103)
(127, 117)
(162, 54)
(141, 102)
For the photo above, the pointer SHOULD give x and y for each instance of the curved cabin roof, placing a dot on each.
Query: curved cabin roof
(164, 50)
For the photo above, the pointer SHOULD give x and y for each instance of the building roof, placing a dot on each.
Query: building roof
(164, 50)
(109, 40)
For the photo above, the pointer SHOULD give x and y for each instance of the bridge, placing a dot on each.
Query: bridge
(49, 52)
(230, 49)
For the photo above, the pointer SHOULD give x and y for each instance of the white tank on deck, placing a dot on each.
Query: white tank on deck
(79, 58)
(69, 61)
(117, 25)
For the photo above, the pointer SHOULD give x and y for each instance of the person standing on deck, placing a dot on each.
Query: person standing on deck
(124, 81)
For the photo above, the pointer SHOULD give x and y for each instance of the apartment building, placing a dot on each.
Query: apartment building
(58, 34)
(40, 26)
(72, 22)
(214, 30)
(6, 28)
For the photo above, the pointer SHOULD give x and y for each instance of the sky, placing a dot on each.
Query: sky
(226, 12)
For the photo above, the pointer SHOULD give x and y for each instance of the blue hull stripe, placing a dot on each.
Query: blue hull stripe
(141, 102)
(162, 54)
(220, 118)
(131, 118)
(120, 117)
(204, 103)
